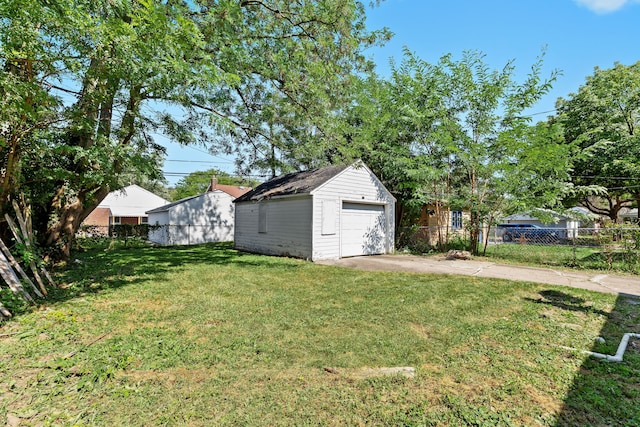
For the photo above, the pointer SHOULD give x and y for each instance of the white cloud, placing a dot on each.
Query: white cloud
(605, 6)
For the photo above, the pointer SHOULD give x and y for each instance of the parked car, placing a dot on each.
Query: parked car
(527, 232)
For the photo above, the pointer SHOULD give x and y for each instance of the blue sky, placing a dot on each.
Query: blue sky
(577, 35)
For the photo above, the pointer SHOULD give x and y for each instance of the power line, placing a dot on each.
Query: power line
(201, 161)
(607, 177)
(541, 112)
(178, 174)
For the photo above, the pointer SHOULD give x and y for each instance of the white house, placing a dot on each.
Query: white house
(326, 213)
(628, 215)
(125, 206)
(204, 218)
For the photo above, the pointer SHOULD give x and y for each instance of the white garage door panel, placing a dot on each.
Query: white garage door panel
(362, 229)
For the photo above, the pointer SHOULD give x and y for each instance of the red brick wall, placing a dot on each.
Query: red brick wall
(99, 217)
(131, 220)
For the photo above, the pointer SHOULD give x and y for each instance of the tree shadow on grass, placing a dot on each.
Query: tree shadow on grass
(99, 268)
(567, 302)
(604, 393)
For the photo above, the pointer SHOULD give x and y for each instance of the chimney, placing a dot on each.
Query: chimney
(214, 183)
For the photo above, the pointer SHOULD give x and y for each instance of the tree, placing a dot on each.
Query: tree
(602, 119)
(488, 130)
(86, 83)
(197, 182)
(454, 134)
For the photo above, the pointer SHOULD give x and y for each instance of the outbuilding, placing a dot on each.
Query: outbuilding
(204, 218)
(327, 213)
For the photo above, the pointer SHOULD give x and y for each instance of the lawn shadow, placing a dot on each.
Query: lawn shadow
(604, 393)
(566, 301)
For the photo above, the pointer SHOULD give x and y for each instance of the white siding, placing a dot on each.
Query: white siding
(288, 227)
(206, 218)
(159, 235)
(356, 185)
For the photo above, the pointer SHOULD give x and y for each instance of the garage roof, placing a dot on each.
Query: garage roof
(293, 183)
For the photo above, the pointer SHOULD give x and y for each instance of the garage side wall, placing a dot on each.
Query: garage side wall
(208, 218)
(354, 185)
(159, 235)
(275, 227)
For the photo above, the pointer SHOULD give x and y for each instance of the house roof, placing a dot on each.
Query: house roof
(293, 183)
(234, 191)
(131, 201)
(166, 207)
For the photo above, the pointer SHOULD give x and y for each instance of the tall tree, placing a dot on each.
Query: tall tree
(603, 119)
(454, 134)
(87, 82)
(487, 131)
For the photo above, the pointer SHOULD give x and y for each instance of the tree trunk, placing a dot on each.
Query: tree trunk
(61, 233)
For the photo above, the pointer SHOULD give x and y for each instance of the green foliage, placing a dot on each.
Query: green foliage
(197, 182)
(602, 119)
(86, 83)
(454, 135)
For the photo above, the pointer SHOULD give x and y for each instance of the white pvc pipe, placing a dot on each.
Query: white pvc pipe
(621, 349)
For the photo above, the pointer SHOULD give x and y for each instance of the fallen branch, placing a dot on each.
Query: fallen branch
(4, 313)
(16, 266)
(27, 244)
(73, 353)
(12, 280)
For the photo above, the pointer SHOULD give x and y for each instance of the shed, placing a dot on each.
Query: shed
(204, 218)
(326, 213)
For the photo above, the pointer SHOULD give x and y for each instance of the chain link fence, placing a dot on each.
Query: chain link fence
(612, 248)
(131, 235)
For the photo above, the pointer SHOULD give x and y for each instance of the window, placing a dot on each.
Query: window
(144, 220)
(456, 220)
(116, 220)
(329, 217)
(262, 218)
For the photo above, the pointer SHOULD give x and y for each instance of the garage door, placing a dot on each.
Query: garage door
(362, 230)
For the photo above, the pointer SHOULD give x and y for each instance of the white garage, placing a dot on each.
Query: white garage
(198, 219)
(326, 213)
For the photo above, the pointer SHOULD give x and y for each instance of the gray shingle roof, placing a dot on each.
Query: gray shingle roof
(293, 183)
(165, 208)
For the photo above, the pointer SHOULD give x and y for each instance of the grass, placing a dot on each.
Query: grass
(586, 258)
(205, 335)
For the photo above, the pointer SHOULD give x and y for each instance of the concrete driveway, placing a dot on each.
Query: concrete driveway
(599, 282)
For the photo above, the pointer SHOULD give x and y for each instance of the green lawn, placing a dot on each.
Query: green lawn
(208, 336)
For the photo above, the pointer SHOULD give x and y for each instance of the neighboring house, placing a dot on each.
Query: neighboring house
(326, 213)
(207, 217)
(628, 215)
(125, 206)
(438, 223)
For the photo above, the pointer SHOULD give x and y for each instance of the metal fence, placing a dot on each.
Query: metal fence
(188, 234)
(614, 247)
